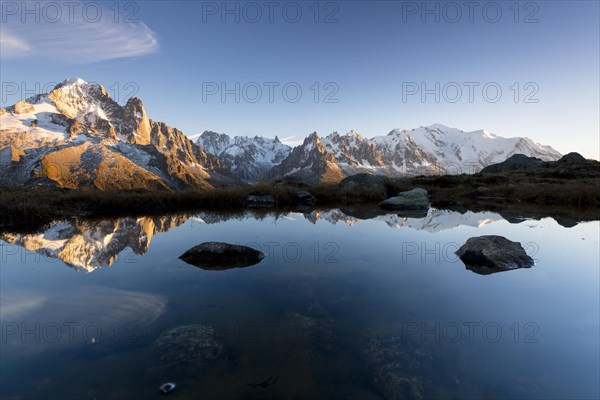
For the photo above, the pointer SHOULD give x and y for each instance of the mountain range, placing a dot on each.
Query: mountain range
(78, 136)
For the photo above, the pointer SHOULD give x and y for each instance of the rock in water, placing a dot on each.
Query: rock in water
(261, 200)
(399, 368)
(304, 198)
(167, 387)
(415, 199)
(221, 256)
(187, 347)
(489, 254)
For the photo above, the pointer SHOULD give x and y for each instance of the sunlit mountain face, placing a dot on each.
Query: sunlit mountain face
(77, 135)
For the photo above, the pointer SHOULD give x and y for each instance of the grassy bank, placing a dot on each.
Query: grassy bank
(37, 206)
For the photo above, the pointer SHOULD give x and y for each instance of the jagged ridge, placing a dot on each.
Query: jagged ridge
(76, 136)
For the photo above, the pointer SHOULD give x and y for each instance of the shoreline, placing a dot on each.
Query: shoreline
(32, 208)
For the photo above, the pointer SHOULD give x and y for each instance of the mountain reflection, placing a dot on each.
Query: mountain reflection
(91, 244)
(434, 220)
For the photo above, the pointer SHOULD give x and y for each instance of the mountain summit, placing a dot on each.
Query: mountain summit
(250, 159)
(434, 149)
(77, 135)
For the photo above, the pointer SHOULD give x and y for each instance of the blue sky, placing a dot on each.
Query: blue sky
(370, 61)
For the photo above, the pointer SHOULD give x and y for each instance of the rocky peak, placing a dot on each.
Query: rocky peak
(312, 137)
(135, 125)
(354, 134)
(213, 142)
(22, 107)
(74, 97)
(89, 104)
(313, 141)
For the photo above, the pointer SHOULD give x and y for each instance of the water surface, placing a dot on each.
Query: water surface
(337, 303)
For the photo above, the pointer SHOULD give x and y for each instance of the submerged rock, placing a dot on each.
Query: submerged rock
(187, 347)
(489, 254)
(221, 256)
(415, 199)
(321, 331)
(167, 387)
(399, 368)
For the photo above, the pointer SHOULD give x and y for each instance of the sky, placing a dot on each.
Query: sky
(290, 68)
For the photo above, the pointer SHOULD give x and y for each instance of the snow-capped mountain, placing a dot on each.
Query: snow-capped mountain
(77, 135)
(434, 149)
(249, 158)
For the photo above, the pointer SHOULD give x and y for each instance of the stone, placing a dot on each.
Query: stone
(572, 159)
(261, 200)
(167, 387)
(304, 198)
(489, 254)
(187, 347)
(368, 182)
(513, 163)
(399, 368)
(221, 256)
(415, 199)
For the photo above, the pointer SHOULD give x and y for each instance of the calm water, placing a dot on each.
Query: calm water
(339, 308)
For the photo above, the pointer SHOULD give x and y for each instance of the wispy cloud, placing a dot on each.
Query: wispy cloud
(76, 41)
(12, 45)
(290, 142)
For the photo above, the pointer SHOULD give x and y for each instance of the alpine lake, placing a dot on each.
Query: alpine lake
(343, 305)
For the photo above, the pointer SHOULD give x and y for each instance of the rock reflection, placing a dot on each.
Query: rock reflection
(87, 245)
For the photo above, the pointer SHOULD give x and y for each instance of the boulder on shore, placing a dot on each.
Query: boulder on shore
(513, 163)
(369, 182)
(221, 256)
(489, 254)
(415, 199)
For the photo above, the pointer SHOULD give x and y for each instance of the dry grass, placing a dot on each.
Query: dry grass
(37, 206)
